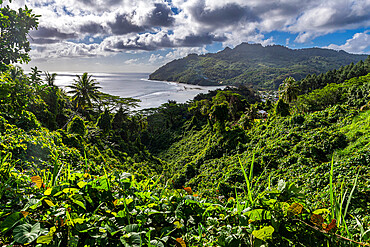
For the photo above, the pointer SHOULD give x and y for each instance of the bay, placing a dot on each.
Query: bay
(136, 85)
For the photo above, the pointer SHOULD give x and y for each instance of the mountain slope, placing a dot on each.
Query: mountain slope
(253, 64)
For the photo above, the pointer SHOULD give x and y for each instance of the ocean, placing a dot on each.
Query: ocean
(136, 85)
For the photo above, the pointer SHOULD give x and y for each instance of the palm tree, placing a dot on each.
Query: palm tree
(289, 90)
(85, 91)
(50, 78)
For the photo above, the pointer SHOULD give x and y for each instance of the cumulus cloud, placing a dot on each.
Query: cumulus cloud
(359, 43)
(70, 26)
(131, 61)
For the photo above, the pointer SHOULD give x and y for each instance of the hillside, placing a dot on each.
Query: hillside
(253, 64)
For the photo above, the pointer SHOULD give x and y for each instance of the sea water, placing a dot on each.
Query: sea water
(136, 85)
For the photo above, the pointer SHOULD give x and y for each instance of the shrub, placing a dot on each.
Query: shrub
(77, 126)
(27, 121)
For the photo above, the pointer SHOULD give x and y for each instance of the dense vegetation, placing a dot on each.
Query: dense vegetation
(253, 65)
(83, 169)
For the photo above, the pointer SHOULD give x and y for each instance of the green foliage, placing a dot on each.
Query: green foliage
(85, 91)
(105, 121)
(353, 92)
(313, 81)
(224, 175)
(14, 28)
(27, 121)
(282, 108)
(77, 126)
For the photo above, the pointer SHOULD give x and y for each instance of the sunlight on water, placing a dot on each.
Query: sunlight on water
(136, 85)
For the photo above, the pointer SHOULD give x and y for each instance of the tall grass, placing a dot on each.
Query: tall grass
(338, 211)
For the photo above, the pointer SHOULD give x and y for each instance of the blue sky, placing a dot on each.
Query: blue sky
(141, 35)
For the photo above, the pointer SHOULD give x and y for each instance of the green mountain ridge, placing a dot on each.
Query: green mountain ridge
(253, 65)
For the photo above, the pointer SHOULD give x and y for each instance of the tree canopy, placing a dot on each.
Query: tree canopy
(14, 28)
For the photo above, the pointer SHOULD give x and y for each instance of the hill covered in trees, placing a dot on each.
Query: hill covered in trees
(253, 65)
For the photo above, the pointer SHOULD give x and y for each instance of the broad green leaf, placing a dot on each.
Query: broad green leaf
(79, 203)
(36, 203)
(26, 233)
(258, 214)
(121, 214)
(264, 234)
(46, 239)
(321, 211)
(132, 228)
(10, 221)
(79, 221)
(49, 203)
(81, 184)
(156, 243)
(48, 192)
(69, 190)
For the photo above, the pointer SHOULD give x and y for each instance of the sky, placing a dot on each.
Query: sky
(142, 35)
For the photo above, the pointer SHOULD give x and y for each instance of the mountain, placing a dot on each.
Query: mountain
(254, 65)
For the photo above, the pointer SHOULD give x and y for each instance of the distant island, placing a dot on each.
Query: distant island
(253, 65)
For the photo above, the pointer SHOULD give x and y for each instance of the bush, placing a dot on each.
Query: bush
(77, 126)
(105, 121)
(282, 108)
(27, 121)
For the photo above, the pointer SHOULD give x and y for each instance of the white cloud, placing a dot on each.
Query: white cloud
(134, 26)
(359, 43)
(155, 58)
(131, 61)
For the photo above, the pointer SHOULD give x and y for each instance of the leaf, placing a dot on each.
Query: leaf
(177, 224)
(37, 180)
(81, 184)
(121, 214)
(79, 203)
(156, 243)
(48, 192)
(49, 203)
(180, 242)
(264, 233)
(24, 213)
(188, 190)
(26, 233)
(281, 185)
(332, 226)
(69, 190)
(295, 209)
(46, 239)
(317, 219)
(322, 211)
(258, 214)
(132, 228)
(10, 221)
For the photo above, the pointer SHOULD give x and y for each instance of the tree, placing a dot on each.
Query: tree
(14, 28)
(289, 90)
(105, 121)
(85, 91)
(35, 77)
(50, 78)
